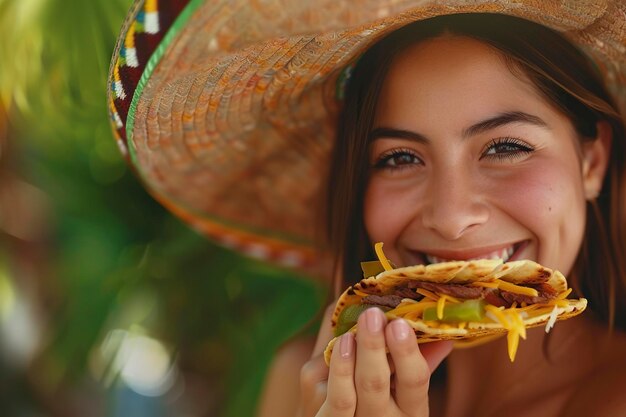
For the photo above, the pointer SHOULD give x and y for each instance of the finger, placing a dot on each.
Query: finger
(325, 333)
(412, 368)
(313, 377)
(372, 373)
(412, 373)
(341, 399)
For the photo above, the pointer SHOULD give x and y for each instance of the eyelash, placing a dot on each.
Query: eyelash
(521, 148)
(388, 156)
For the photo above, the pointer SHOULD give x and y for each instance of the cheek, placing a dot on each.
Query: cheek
(388, 209)
(548, 200)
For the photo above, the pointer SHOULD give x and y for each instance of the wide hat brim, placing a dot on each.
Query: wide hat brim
(227, 109)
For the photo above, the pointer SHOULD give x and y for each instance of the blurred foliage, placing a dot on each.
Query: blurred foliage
(114, 258)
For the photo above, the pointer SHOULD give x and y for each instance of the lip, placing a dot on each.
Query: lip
(519, 247)
(461, 255)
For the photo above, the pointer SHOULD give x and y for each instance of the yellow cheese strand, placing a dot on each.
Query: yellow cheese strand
(427, 294)
(564, 294)
(499, 315)
(518, 323)
(413, 316)
(512, 339)
(507, 286)
(528, 308)
(412, 308)
(559, 303)
(452, 299)
(514, 324)
(540, 310)
(441, 303)
(378, 248)
(510, 318)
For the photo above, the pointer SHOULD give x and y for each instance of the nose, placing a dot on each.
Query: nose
(454, 204)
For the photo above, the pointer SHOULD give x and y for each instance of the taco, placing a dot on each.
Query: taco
(468, 301)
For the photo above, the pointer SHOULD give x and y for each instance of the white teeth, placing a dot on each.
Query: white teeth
(434, 260)
(503, 254)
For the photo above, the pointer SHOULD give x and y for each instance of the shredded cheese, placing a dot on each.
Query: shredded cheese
(412, 308)
(558, 303)
(427, 294)
(539, 310)
(512, 339)
(441, 303)
(564, 294)
(518, 322)
(511, 319)
(507, 286)
(378, 248)
(497, 313)
(452, 299)
(552, 319)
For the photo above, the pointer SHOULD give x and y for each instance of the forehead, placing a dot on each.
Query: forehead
(454, 75)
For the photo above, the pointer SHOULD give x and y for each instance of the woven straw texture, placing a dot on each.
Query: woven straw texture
(232, 122)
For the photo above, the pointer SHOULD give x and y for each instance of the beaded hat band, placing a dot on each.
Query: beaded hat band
(226, 109)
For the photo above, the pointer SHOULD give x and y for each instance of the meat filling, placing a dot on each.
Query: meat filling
(493, 296)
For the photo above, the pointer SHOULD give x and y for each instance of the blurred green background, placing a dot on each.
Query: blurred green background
(109, 306)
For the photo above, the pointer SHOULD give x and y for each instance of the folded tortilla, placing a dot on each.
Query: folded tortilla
(516, 295)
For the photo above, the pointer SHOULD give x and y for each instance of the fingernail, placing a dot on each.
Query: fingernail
(374, 320)
(400, 329)
(346, 345)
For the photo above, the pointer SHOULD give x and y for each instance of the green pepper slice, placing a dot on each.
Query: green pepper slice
(371, 268)
(349, 316)
(470, 310)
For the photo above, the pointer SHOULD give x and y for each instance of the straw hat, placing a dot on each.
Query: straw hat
(226, 109)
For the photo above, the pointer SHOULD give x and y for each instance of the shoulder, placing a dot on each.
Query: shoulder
(602, 393)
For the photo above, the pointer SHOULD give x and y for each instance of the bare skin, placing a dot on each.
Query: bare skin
(354, 372)
(460, 193)
(586, 377)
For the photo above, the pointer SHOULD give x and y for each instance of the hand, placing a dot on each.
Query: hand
(360, 381)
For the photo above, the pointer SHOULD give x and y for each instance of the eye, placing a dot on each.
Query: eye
(506, 148)
(398, 159)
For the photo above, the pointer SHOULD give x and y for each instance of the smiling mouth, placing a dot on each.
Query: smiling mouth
(508, 253)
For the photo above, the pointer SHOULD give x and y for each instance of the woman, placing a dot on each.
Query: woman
(466, 136)
(458, 137)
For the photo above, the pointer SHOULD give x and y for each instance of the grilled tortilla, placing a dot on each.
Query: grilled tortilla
(458, 300)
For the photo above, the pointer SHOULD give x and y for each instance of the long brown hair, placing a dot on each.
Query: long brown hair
(566, 78)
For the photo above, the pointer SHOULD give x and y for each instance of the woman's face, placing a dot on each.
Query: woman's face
(470, 161)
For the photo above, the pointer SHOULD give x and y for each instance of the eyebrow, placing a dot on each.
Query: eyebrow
(499, 120)
(504, 119)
